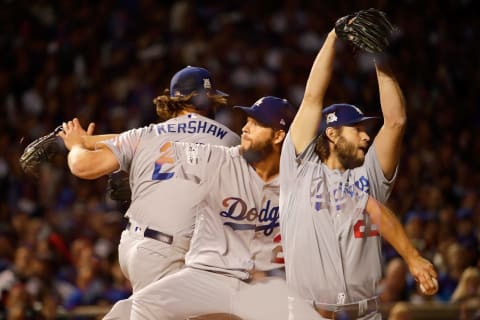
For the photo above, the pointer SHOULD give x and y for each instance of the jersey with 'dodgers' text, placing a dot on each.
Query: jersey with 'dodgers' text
(237, 223)
(332, 249)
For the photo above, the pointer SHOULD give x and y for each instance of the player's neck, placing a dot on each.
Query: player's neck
(188, 110)
(268, 168)
(333, 163)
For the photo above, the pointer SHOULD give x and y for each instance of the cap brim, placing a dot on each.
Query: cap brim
(361, 120)
(323, 126)
(366, 119)
(249, 111)
(256, 114)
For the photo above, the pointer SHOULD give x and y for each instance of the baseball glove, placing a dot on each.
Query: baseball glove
(118, 187)
(368, 29)
(39, 151)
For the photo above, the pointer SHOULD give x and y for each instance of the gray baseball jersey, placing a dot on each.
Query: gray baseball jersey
(332, 249)
(158, 200)
(236, 231)
(237, 219)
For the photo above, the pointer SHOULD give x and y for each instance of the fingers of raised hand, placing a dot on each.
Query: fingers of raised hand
(72, 125)
(76, 123)
(66, 127)
(91, 128)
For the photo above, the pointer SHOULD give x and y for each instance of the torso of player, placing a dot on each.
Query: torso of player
(348, 260)
(237, 221)
(158, 199)
(332, 249)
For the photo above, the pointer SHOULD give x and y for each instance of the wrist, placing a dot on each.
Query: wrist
(76, 146)
(411, 255)
(332, 34)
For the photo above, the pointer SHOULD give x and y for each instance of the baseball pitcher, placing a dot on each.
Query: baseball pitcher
(160, 216)
(234, 264)
(330, 221)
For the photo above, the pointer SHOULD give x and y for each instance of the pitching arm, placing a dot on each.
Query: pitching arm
(392, 230)
(85, 163)
(92, 142)
(91, 164)
(89, 141)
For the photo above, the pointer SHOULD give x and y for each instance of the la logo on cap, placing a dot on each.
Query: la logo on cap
(206, 83)
(282, 122)
(331, 117)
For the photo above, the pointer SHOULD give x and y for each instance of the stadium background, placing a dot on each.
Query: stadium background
(105, 62)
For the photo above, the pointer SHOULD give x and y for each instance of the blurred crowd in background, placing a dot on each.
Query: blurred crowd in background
(105, 62)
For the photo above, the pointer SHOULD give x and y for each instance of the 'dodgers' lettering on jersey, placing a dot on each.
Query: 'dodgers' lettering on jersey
(321, 198)
(237, 210)
(192, 126)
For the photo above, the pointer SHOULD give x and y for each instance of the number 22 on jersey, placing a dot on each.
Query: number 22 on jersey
(166, 157)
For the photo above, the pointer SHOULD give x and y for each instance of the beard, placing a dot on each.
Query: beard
(256, 152)
(347, 154)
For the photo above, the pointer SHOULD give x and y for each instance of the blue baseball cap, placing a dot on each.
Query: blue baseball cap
(192, 79)
(342, 114)
(272, 112)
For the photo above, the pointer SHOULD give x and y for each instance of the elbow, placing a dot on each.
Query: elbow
(79, 169)
(86, 164)
(398, 123)
(401, 120)
(312, 99)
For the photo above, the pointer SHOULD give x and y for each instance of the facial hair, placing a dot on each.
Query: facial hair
(257, 152)
(347, 154)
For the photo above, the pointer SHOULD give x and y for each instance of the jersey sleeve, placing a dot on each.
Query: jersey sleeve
(124, 146)
(196, 162)
(380, 187)
(291, 163)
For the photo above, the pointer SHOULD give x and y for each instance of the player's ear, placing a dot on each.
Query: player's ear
(331, 134)
(279, 136)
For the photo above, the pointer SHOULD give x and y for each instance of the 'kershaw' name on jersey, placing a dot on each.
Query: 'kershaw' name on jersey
(192, 126)
(237, 210)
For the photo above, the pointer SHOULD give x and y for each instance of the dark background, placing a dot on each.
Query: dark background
(105, 61)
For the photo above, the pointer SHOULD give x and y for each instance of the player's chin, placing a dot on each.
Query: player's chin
(245, 144)
(361, 155)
